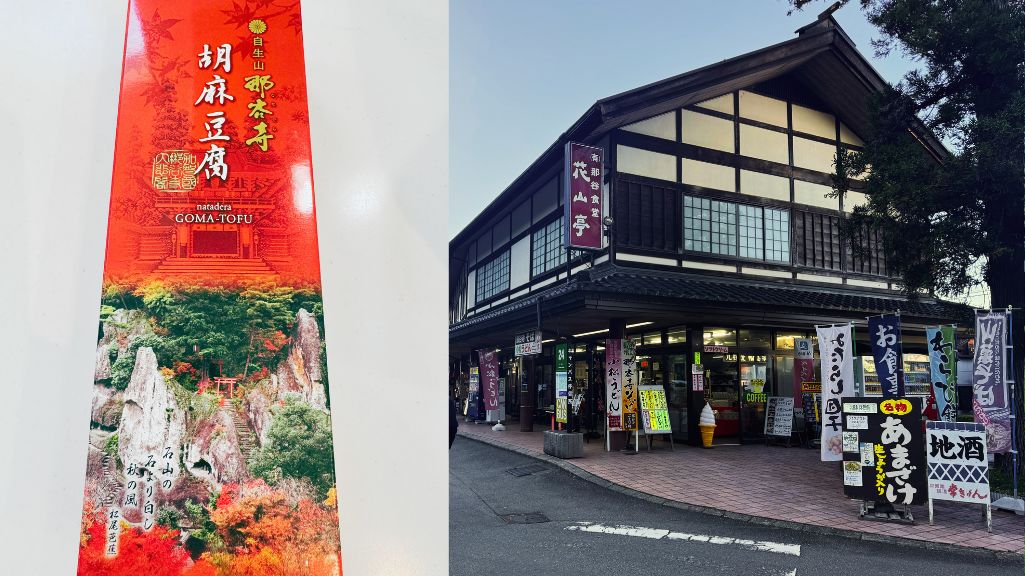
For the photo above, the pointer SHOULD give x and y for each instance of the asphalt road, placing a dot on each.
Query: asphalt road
(587, 529)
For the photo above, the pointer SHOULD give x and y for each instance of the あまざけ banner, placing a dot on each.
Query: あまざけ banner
(210, 397)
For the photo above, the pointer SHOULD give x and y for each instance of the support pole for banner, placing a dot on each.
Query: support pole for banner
(1012, 504)
(1014, 404)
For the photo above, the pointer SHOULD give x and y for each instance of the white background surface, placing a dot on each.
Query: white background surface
(378, 97)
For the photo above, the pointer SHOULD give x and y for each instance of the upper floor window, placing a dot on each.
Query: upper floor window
(729, 229)
(547, 251)
(493, 277)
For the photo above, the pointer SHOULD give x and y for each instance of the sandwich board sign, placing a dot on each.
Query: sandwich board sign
(956, 454)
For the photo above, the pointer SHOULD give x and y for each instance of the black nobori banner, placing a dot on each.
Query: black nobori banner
(884, 450)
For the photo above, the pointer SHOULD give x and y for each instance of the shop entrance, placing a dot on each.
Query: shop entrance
(722, 391)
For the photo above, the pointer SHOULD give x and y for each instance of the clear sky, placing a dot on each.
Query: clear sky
(517, 83)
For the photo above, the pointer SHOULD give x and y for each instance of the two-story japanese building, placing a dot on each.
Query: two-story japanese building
(723, 239)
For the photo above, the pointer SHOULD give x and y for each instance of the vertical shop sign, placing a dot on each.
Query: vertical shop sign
(989, 380)
(614, 383)
(583, 175)
(489, 378)
(836, 352)
(561, 382)
(884, 450)
(943, 368)
(473, 394)
(804, 366)
(211, 320)
(629, 385)
(884, 334)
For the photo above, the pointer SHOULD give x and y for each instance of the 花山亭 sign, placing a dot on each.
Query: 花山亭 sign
(583, 174)
(527, 343)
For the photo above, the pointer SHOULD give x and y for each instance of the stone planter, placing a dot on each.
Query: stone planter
(564, 444)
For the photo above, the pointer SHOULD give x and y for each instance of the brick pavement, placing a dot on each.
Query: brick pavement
(772, 483)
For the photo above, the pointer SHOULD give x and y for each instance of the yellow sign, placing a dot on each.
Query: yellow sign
(654, 410)
(560, 409)
(899, 407)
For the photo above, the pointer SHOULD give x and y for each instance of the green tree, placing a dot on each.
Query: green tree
(939, 215)
(266, 311)
(298, 445)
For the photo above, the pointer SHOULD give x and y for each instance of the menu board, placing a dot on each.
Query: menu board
(779, 416)
(654, 410)
(884, 450)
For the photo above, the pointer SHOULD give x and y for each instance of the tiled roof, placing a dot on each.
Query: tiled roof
(613, 279)
(622, 281)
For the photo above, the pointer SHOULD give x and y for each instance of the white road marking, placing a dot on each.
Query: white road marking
(659, 533)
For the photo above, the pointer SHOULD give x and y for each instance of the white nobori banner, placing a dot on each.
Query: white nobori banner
(837, 354)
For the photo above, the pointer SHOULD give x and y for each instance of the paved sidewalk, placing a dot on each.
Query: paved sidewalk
(764, 484)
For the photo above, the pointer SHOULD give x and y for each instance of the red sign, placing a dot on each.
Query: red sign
(584, 171)
(210, 349)
(489, 378)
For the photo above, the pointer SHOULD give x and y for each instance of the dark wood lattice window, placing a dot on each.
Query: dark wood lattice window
(646, 216)
(869, 258)
(817, 240)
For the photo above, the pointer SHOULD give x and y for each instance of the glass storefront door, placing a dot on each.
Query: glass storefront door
(676, 393)
(722, 381)
(755, 389)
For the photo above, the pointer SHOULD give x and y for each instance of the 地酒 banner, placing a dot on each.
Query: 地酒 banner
(210, 446)
(884, 334)
(835, 350)
(614, 383)
(943, 369)
(989, 380)
(489, 378)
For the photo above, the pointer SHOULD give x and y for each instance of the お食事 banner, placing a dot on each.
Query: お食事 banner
(884, 334)
(211, 421)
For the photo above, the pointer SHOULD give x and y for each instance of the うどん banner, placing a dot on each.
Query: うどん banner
(210, 449)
